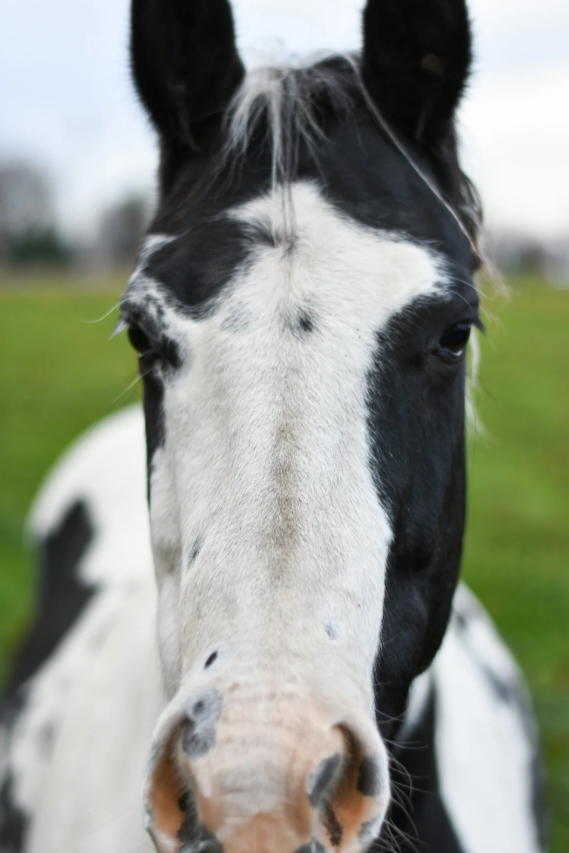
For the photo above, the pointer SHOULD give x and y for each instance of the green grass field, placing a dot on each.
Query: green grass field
(59, 373)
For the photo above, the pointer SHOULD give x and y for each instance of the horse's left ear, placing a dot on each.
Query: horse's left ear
(185, 64)
(416, 60)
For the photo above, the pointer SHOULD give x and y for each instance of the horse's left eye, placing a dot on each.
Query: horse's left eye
(453, 342)
(138, 339)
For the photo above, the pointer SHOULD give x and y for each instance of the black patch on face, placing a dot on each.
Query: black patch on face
(322, 779)
(62, 594)
(369, 777)
(193, 836)
(196, 268)
(13, 821)
(388, 194)
(196, 550)
(418, 461)
(199, 735)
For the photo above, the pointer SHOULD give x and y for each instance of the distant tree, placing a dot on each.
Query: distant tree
(39, 245)
(121, 230)
(25, 197)
(28, 234)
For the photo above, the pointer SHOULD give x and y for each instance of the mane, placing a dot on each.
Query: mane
(284, 102)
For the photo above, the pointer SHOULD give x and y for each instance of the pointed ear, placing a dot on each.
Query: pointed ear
(185, 64)
(416, 59)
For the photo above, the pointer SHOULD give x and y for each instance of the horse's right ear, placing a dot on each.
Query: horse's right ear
(185, 64)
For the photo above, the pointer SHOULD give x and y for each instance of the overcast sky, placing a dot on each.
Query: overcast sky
(66, 98)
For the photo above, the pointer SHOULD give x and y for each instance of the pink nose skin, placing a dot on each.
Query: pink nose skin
(264, 774)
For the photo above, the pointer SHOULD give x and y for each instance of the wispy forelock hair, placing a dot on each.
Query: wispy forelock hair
(285, 101)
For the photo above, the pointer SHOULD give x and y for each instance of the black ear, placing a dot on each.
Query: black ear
(416, 59)
(185, 63)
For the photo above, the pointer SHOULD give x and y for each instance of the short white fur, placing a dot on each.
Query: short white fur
(267, 457)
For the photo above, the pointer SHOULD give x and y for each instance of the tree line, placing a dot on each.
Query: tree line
(30, 234)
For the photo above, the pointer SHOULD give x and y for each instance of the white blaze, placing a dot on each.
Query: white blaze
(267, 458)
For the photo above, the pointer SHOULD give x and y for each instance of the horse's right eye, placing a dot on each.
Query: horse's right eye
(139, 339)
(454, 341)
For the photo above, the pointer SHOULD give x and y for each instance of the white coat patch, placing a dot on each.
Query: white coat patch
(484, 749)
(103, 469)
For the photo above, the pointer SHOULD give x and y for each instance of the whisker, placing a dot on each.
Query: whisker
(131, 385)
(104, 317)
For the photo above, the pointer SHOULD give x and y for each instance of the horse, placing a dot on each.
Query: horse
(278, 656)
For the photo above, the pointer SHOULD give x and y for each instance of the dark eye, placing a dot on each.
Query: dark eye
(138, 339)
(453, 342)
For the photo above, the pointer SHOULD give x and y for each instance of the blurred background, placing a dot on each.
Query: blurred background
(77, 161)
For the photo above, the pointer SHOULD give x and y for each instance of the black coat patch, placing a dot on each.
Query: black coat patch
(13, 821)
(62, 594)
(419, 820)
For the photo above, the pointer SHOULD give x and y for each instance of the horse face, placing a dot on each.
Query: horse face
(301, 308)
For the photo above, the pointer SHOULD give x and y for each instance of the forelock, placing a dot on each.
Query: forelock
(287, 104)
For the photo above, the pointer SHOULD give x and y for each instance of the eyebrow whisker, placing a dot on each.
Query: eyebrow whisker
(132, 385)
(104, 317)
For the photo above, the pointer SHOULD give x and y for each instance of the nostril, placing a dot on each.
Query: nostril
(173, 817)
(349, 790)
(318, 787)
(322, 780)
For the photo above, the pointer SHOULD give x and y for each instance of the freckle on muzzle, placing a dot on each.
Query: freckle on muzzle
(264, 772)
